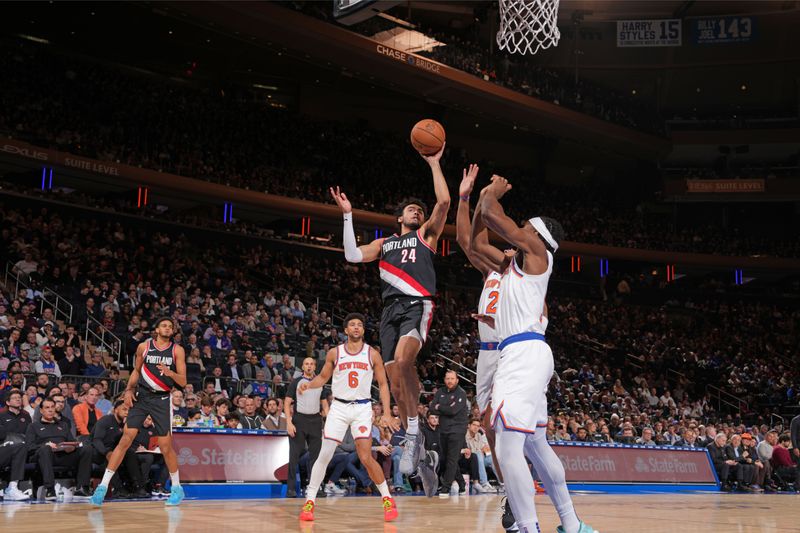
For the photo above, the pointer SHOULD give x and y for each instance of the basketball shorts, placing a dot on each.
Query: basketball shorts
(156, 404)
(519, 395)
(356, 416)
(487, 367)
(404, 317)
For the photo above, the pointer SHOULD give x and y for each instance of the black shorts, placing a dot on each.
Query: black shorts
(404, 317)
(156, 404)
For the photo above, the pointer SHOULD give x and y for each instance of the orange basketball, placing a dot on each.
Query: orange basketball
(427, 136)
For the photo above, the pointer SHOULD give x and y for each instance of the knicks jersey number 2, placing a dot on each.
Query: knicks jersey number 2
(491, 305)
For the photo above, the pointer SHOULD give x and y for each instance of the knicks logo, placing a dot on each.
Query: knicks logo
(362, 429)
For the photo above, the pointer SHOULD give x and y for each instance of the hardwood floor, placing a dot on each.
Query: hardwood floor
(655, 513)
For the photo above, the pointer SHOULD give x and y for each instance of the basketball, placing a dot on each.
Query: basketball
(427, 136)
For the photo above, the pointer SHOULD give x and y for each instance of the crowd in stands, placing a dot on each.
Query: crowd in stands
(113, 115)
(248, 315)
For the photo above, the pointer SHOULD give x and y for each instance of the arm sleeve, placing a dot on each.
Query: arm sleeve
(351, 252)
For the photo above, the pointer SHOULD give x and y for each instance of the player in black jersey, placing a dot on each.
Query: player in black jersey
(408, 283)
(160, 365)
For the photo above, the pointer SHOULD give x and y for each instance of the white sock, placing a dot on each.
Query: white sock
(551, 471)
(384, 489)
(175, 478)
(509, 446)
(320, 466)
(107, 477)
(413, 425)
(12, 485)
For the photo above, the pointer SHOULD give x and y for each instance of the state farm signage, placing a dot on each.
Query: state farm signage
(634, 464)
(222, 456)
(411, 59)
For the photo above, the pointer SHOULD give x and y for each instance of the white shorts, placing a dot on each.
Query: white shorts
(487, 367)
(519, 395)
(356, 416)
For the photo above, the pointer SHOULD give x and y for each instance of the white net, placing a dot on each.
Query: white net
(526, 26)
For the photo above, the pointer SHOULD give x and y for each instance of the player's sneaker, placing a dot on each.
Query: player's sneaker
(14, 495)
(307, 513)
(539, 489)
(585, 528)
(413, 452)
(175, 496)
(99, 495)
(389, 509)
(508, 520)
(333, 489)
(427, 473)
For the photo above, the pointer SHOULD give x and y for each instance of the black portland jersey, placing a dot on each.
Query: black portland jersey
(407, 266)
(152, 358)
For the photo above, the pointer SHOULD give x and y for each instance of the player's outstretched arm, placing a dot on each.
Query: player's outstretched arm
(463, 224)
(433, 228)
(496, 219)
(352, 252)
(479, 242)
(379, 373)
(324, 375)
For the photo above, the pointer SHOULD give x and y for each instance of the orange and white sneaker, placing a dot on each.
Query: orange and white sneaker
(539, 488)
(307, 514)
(389, 509)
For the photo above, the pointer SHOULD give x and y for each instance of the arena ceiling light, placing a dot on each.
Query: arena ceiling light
(265, 87)
(33, 38)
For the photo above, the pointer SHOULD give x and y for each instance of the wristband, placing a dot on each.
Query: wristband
(464, 197)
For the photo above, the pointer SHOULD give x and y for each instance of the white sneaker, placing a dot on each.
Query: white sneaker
(454, 489)
(14, 495)
(332, 489)
(477, 487)
(488, 488)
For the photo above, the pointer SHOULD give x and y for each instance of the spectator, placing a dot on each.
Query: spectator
(689, 440)
(759, 475)
(13, 453)
(179, 411)
(479, 446)
(745, 470)
(46, 364)
(72, 364)
(251, 419)
(274, 419)
(86, 414)
(50, 443)
(647, 438)
(722, 460)
(97, 367)
(207, 416)
(782, 463)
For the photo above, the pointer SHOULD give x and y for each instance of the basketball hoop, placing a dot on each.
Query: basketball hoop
(527, 26)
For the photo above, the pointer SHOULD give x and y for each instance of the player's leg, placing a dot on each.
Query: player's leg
(335, 426)
(134, 420)
(484, 378)
(364, 451)
(518, 480)
(551, 472)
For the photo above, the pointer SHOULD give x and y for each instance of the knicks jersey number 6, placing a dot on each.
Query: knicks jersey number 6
(491, 308)
(352, 380)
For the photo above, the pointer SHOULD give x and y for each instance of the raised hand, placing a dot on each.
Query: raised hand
(468, 181)
(431, 159)
(341, 200)
(499, 186)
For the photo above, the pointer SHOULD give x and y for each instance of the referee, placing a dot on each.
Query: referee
(304, 425)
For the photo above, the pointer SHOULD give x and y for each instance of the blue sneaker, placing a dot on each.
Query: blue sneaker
(585, 528)
(99, 495)
(175, 496)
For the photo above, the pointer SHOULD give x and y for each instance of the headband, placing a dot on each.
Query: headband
(538, 225)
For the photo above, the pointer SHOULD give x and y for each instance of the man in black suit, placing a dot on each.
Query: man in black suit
(689, 440)
(232, 369)
(745, 470)
(250, 365)
(722, 462)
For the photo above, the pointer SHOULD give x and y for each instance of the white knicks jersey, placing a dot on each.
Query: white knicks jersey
(521, 305)
(487, 305)
(352, 374)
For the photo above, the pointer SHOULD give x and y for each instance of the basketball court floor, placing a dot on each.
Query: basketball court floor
(656, 513)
